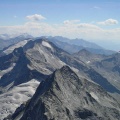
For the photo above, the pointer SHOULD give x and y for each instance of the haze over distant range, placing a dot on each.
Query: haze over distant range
(96, 21)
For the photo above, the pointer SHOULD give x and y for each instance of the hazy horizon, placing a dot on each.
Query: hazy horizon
(94, 21)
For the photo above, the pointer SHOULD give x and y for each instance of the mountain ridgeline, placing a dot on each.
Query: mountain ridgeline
(69, 45)
(75, 45)
(7, 40)
(65, 96)
(72, 86)
(42, 56)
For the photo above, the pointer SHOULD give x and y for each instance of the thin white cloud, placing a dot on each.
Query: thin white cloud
(108, 22)
(15, 16)
(71, 21)
(35, 17)
(96, 7)
(88, 26)
(74, 30)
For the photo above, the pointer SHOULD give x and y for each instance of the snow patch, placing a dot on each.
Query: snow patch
(7, 70)
(12, 99)
(94, 96)
(46, 44)
(88, 62)
(61, 62)
(75, 69)
(11, 48)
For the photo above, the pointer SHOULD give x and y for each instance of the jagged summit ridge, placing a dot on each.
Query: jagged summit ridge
(64, 96)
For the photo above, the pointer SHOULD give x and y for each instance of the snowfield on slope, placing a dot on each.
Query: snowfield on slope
(11, 48)
(46, 44)
(12, 99)
(7, 70)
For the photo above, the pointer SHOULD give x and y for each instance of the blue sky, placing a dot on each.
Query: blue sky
(57, 11)
(88, 19)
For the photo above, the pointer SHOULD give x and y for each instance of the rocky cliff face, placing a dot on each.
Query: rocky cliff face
(65, 96)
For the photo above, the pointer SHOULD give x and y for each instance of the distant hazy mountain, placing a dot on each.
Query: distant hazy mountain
(75, 45)
(69, 45)
(88, 57)
(11, 36)
(6, 36)
(79, 42)
(65, 96)
(7, 40)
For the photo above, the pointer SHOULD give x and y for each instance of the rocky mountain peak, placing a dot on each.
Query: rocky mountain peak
(65, 96)
(84, 52)
(65, 69)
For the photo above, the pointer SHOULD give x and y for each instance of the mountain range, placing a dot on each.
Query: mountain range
(72, 86)
(75, 45)
(65, 96)
(69, 45)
